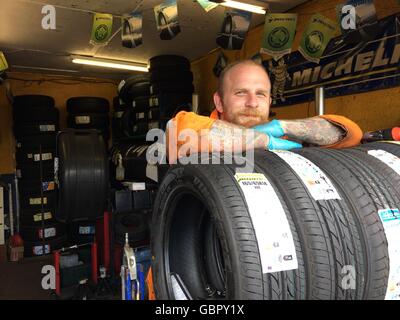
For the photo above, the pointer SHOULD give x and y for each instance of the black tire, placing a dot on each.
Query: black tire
(134, 224)
(33, 201)
(32, 249)
(35, 186)
(33, 101)
(35, 233)
(141, 103)
(125, 87)
(23, 115)
(358, 191)
(44, 128)
(47, 141)
(176, 87)
(324, 224)
(154, 114)
(32, 171)
(82, 174)
(171, 75)
(77, 105)
(178, 237)
(139, 89)
(169, 61)
(133, 160)
(32, 156)
(170, 101)
(392, 147)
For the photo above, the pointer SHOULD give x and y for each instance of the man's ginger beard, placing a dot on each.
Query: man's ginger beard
(248, 118)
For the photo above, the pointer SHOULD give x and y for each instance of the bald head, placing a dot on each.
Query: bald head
(228, 69)
(243, 95)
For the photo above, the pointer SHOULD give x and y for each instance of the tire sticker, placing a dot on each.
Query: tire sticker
(141, 115)
(118, 114)
(388, 158)
(48, 233)
(38, 217)
(38, 250)
(82, 120)
(35, 201)
(316, 181)
(45, 156)
(391, 223)
(47, 127)
(274, 237)
(87, 230)
(48, 185)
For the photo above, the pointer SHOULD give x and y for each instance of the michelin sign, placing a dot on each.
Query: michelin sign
(348, 66)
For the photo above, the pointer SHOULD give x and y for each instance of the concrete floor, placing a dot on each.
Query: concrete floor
(22, 280)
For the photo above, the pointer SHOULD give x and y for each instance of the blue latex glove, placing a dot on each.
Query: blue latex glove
(271, 128)
(281, 144)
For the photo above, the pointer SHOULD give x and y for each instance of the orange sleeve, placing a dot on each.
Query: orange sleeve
(353, 132)
(191, 120)
(185, 121)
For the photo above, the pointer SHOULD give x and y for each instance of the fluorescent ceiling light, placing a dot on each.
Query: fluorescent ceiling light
(107, 63)
(243, 6)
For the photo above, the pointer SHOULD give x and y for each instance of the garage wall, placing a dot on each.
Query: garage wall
(60, 88)
(373, 110)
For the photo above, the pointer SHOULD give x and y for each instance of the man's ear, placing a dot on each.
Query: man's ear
(218, 102)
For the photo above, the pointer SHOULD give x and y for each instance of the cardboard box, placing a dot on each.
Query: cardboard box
(16, 253)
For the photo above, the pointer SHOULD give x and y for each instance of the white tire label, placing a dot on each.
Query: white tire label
(45, 156)
(47, 127)
(82, 120)
(118, 114)
(38, 250)
(38, 217)
(388, 158)
(48, 232)
(274, 237)
(87, 230)
(141, 115)
(36, 201)
(391, 223)
(316, 181)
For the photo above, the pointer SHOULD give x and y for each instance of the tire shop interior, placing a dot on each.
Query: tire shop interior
(85, 215)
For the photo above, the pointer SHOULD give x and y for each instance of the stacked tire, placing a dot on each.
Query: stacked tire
(171, 86)
(36, 122)
(89, 113)
(134, 121)
(308, 224)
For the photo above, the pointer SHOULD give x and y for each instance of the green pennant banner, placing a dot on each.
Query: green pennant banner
(316, 37)
(279, 32)
(3, 62)
(102, 28)
(208, 5)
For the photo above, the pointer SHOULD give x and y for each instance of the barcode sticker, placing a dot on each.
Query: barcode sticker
(45, 156)
(47, 127)
(36, 201)
(38, 217)
(82, 120)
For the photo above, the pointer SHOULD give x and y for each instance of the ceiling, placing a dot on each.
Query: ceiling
(28, 47)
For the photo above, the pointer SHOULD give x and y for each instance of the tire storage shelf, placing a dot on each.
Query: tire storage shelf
(312, 223)
(36, 122)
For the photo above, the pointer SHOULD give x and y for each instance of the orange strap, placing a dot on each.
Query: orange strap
(149, 284)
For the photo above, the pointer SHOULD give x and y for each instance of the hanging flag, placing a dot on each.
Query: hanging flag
(220, 65)
(234, 29)
(102, 28)
(316, 37)
(132, 30)
(3, 62)
(208, 5)
(354, 14)
(167, 19)
(279, 32)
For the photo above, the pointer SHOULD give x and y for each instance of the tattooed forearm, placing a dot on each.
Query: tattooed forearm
(314, 130)
(231, 137)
